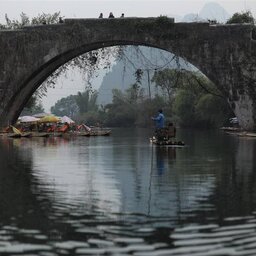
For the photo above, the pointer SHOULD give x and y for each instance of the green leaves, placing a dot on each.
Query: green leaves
(76, 105)
(44, 18)
(243, 17)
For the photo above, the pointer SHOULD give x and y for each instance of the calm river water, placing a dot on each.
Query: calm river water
(119, 195)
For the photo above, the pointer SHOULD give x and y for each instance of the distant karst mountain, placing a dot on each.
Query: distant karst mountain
(210, 11)
(191, 17)
(214, 11)
(148, 59)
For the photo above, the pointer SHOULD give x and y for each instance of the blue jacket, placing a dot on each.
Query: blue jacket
(159, 120)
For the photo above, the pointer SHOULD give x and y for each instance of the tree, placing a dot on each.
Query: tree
(87, 101)
(198, 102)
(212, 111)
(243, 17)
(33, 106)
(44, 18)
(66, 107)
(130, 108)
(184, 108)
(122, 110)
(75, 105)
(167, 80)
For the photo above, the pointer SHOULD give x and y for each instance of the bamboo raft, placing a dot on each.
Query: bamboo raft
(170, 143)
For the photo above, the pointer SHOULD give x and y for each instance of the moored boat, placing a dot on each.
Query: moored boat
(100, 132)
(13, 135)
(16, 135)
(247, 134)
(82, 133)
(40, 134)
(26, 134)
(231, 129)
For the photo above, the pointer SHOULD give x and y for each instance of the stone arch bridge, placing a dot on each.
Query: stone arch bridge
(226, 54)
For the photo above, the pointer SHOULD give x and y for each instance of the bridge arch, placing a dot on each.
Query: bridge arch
(220, 52)
(19, 100)
(43, 72)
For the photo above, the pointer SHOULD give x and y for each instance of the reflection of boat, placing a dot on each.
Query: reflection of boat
(55, 134)
(171, 143)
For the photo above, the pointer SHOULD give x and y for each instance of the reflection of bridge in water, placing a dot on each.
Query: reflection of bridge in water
(224, 53)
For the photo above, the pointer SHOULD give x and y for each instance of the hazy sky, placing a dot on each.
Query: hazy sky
(91, 9)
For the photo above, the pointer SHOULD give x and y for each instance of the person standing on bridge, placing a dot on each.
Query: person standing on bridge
(111, 15)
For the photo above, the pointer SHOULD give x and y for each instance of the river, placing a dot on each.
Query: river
(119, 195)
